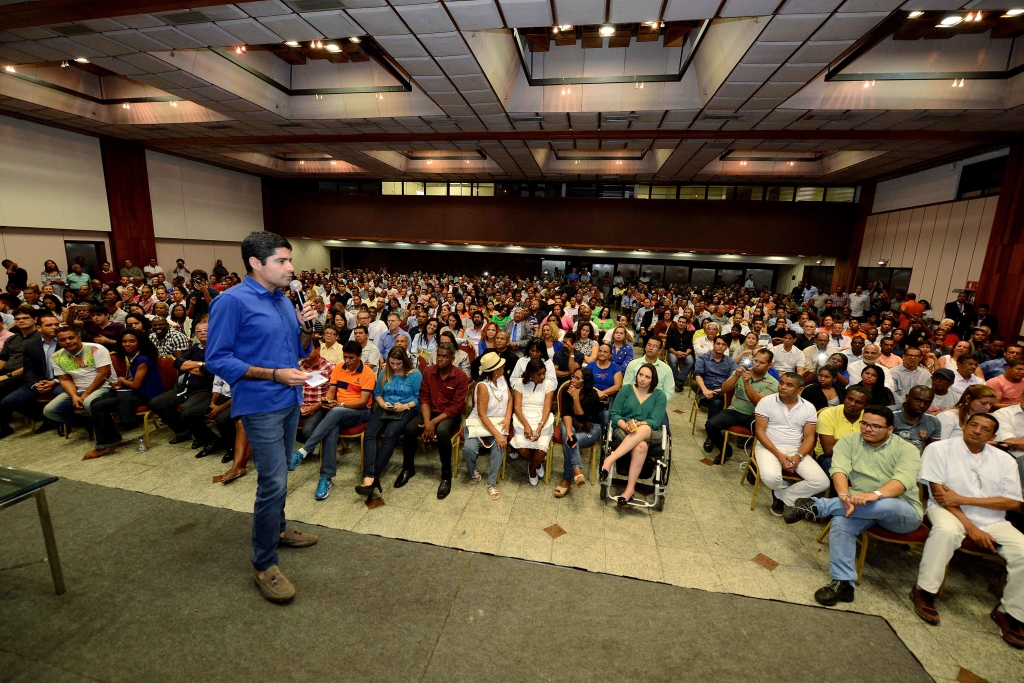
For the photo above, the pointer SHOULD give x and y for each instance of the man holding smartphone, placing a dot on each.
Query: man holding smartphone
(751, 384)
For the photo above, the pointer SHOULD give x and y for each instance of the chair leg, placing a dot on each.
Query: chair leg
(862, 558)
(145, 427)
(547, 462)
(456, 454)
(693, 418)
(362, 451)
(743, 474)
(757, 485)
(593, 464)
(725, 444)
(824, 533)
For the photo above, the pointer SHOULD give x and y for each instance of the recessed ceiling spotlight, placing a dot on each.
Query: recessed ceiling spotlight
(126, 106)
(1014, 12)
(64, 64)
(173, 103)
(607, 31)
(915, 14)
(239, 49)
(565, 27)
(332, 47)
(81, 60)
(354, 39)
(951, 20)
(291, 43)
(9, 69)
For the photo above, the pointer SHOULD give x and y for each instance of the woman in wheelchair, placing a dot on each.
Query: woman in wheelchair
(637, 414)
(581, 426)
(532, 421)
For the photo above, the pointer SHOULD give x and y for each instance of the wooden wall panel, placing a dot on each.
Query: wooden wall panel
(131, 213)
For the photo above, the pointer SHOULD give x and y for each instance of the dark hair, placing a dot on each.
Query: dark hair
(361, 327)
(537, 343)
(766, 352)
(73, 330)
(795, 376)
(96, 309)
(532, 366)
(450, 336)
(987, 416)
(588, 380)
(860, 389)
(829, 369)
(790, 332)
(570, 335)
(970, 356)
(353, 348)
(146, 346)
(146, 324)
(261, 245)
(654, 375)
(881, 411)
(723, 339)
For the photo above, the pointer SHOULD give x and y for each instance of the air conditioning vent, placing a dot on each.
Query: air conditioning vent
(621, 118)
(721, 117)
(72, 30)
(180, 18)
(316, 5)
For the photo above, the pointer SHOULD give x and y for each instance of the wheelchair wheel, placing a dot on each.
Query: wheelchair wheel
(604, 491)
(660, 505)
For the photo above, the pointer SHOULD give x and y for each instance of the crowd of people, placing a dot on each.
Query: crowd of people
(862, 395)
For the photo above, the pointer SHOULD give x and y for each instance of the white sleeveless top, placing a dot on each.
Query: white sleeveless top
(497, 398)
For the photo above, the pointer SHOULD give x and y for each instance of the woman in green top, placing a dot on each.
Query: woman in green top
(501, 316)
(604, 320)
(636, 415)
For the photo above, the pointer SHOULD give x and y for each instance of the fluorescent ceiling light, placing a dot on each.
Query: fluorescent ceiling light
(951, 20)
(331, 47)
(355, 40)
(291, 43)
(915, 14)
(1014, 12)
(81, 60)
(607, 31)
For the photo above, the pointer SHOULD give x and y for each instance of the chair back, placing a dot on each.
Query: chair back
(470, 399)
(168, 374)
(421, 363)
(727, 395)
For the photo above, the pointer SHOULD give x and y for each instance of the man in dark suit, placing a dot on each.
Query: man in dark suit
(39, 382)
(983, 319)
(961, 312)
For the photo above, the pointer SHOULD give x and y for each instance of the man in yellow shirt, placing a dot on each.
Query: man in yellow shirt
(836, 422)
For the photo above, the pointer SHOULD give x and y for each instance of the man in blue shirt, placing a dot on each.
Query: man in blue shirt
(709, 373)
(254, 345)
(997, 366)
(387, 340)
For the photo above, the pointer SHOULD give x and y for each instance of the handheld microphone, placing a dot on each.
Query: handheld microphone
(300, 296)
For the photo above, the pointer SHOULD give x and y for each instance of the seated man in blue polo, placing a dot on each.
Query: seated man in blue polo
(709, 373)
(875, 477)
(352, 384)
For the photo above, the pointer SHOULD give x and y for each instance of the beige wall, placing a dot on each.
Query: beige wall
(309, 254)
(944, 243)
(200, 254)
(30, 247)
(790, 275)
(50, 178)
(195, 201)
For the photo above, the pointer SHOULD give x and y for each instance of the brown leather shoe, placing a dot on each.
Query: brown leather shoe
(99, 452)
(274, 586)
(924, 604)
(1013, 631)
(293, 538)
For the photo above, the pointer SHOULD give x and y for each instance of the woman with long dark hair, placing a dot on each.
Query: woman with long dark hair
(873, 379)
(581, 426)
(826, 391)
(52, 275)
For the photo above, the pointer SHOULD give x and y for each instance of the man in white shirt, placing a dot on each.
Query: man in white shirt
(788, 358)
(784, 424)
(972, 485)
(737, 321)
(472, 333)
(908, 374)
(371, 354)
(869, 357)
(705, 343)
(375, 329)
(151, 271)
(964, 375)
(83, 371)
(837, 340)
(859, 303)
(1011, 433)
(853, 353)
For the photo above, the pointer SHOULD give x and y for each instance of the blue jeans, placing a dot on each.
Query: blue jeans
(571, 456)
(893, 514)
(471, 451)
(62, 411)
(680, 368)
(271, 436)
(327, 431)
(24, 399)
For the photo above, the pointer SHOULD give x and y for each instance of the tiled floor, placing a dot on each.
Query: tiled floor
(706, 537)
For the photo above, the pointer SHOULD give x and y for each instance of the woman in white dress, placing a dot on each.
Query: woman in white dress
(532, 420)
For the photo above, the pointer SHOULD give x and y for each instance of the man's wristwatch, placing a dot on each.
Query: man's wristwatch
(878, 493)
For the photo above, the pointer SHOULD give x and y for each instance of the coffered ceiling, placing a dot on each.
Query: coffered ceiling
(829, 91)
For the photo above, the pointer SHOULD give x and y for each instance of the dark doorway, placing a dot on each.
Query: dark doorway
(819, 276)
(94, 253)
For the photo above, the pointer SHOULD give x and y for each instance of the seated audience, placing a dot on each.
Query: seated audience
(788, 357)
(908, 374)
(679, 342)
(872, 378)
(1009, 385)
(826, 391)
(996, 367)
(875, 477)
(491, 421)
(622, 346)
(183, 408)
(567, 359)
(944, 398)
(972, 486)
(710, 372)
(348, 401)
(1011, 433)
(966, 373)
(784, 425)
(331, 349)
(581, 426)
(977, 399)
(12, 354)
(442, 400)
(503, 350)
(750, 384)
(535, 348)
(83, 370)
(835, 422)
(396, 399)
(637, 416)
(313, 410)
(532, 418)
(38, 379)
(424, 344)
(169, 342)
(369, 354)
(912, 421)
(652, 353)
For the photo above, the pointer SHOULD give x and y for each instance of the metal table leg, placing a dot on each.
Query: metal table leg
(51, 543)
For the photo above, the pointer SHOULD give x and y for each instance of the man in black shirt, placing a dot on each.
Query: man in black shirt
(502, 348)
(567, 359)
(198, 300)
(192, 392)
(680, 351)
(16, 277)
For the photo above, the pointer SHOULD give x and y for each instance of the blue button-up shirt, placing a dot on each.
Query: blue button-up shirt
(387, 341)
(49, 348)
(250, 326)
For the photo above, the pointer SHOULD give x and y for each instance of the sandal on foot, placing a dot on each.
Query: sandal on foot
(99, 452)
(476, 476)
(493, 492)
(561, 490)
(579, 480)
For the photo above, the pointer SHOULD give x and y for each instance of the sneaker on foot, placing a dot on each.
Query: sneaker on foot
(802, 508)
(777, 505)
(323, 488)
(835, 591)
(296, 458)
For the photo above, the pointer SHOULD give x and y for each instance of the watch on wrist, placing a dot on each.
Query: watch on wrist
(878, 493)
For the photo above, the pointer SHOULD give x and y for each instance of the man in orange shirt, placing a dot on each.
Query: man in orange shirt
(910, 310)
(348, 400)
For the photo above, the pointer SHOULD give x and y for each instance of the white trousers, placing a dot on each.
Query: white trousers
(814, 478)
(946, 536)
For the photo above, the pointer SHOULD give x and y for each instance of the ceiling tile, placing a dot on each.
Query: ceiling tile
(421, 66)
(172, 37)
(402, 46)
(682, 10)
(210, 34)
(459, 66)
(769, 53)
(526, 13)
(816, 53)
(748, 8)
(809, 6)
(473, 15)
(250, 31)
(103, 44)
(634, 11)
(138, 41)
(380, 21)
(791, 27)
(849, 26)
(445, 44)
(580, 11)
(292, 27)
(426, 18)
(877, 5)
(149, 63)
(335, 24)
(264, 8)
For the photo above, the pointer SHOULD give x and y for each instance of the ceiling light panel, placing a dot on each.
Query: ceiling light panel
(475, 15)
(578, 12)
(526, 13)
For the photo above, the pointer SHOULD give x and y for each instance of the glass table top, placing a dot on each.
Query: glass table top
(15, 483)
